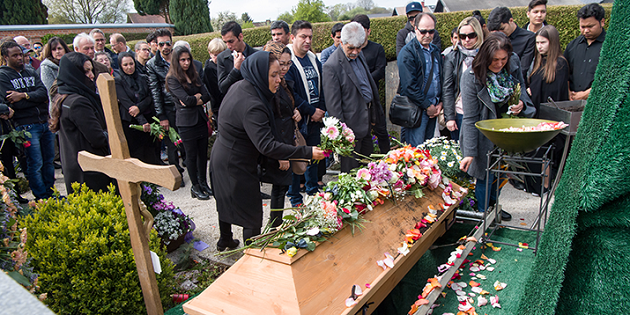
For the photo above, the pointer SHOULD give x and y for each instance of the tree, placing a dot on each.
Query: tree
(190, 16)
(311, 10)
(287, 17)
(246, 18)
(222, 18)
(365, 4)
(89, 11)
(23, 12)
(153, 7)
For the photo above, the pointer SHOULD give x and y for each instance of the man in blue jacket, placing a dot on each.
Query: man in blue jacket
(420, 70)
(305, 77)
(24, 91)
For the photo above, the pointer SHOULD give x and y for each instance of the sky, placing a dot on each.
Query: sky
(261, 10)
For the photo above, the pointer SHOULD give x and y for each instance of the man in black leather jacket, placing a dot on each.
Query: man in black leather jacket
(157, 68)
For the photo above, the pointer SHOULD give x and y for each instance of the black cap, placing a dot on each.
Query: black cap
(414, 6)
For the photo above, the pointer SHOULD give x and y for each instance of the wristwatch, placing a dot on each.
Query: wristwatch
(27, 97)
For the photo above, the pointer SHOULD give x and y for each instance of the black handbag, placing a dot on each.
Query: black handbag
(405, 113)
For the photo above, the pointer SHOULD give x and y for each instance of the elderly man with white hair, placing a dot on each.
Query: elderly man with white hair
(350, 92)
(25, 43)
(84, 44)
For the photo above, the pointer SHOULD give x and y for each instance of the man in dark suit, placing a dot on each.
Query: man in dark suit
(229, 61)
(350, 92)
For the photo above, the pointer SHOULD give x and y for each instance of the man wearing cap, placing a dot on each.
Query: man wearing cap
(25, 93)
(26, 50)
(407, 33)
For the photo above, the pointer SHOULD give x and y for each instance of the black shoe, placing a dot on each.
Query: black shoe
(197, 192)
(232, 244)
(56, 165)
(264, 196)
(180, 170)
(517, 184)
(505, 216)
(182, 185)
(206, 189)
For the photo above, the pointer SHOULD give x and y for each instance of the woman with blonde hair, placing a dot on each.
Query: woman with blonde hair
(210, 79)
(459, 60)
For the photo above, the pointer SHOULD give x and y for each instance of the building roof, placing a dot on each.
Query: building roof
(467, 5)
(137, 18)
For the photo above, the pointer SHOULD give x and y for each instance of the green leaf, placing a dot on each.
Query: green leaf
(19, 278)
(310, 246)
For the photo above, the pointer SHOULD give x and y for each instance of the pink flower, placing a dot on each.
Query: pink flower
(363, 174)
(332, 132)
(350, 138)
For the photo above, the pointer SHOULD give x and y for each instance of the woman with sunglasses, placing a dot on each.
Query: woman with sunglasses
(286, 116)
(189, 95)
(485, 91)
(457, 62)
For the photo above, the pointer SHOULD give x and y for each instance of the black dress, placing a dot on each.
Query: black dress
(558, 90)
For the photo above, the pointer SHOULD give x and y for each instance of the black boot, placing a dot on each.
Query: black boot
(226, 241)
(197, 192)
(205, 187)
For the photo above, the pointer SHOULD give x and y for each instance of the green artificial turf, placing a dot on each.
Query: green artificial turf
(582, 266)
(512, 268)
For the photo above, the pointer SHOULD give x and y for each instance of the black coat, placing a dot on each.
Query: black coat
(190, 114)
(211, 80)
(451, 82)
(162, 99)
(226, 72)
(245, 134)
(558, 90)
(83, 128)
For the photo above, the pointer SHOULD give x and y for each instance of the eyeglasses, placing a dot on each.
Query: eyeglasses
(286, 65)
(167, 43)
(99, 40)
(424, 32)
(472, 35)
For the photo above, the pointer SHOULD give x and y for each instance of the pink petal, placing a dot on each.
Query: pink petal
(350, 302)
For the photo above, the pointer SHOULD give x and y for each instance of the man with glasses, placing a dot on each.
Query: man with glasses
(157, 68)
(26, 44)
(523, 42)
(420, 70)
(407, 33)
(99, 45)
(229, 61)
(143, 54)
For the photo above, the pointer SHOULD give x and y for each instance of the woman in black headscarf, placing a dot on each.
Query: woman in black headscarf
(136, 107)
(247, 130)
(189, 95)
(80, 120)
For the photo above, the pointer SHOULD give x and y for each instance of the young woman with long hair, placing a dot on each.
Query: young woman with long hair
(189, 95)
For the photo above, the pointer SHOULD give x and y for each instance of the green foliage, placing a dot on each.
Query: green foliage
(152, 7)
(190, 16)
(287, 17)
(23, 12)
(311, 10)
(246, 18)
(82, 250)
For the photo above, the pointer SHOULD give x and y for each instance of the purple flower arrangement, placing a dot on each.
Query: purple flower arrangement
(169, 221)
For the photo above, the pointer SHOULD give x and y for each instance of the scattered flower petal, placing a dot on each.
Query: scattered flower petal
(481, 301)
(494, 300)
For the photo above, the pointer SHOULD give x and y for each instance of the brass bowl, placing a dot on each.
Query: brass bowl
(516, 141)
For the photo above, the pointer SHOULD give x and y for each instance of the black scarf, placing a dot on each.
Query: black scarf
(72, 78)
(255, 70)
(132, 80)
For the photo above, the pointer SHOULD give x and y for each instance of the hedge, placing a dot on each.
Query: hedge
(384, 30)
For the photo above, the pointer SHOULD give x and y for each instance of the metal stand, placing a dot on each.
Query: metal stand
(496, 159)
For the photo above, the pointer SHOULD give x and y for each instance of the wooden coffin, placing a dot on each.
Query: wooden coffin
(319, 282)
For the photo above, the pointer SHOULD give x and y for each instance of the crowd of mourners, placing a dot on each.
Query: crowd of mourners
(257, 100)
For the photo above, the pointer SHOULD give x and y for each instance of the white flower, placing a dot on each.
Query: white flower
(451, 163)
(330, 121)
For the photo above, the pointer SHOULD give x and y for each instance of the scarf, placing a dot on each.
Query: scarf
(132, 80)
(255, 70)
(72, 78)
(500, 86)
(469, 54)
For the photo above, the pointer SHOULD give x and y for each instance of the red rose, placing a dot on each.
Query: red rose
(27, 144)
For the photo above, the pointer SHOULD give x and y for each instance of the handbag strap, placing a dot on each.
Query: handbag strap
(430, 78)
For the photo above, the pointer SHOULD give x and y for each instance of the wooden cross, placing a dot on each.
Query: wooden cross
(129, 172)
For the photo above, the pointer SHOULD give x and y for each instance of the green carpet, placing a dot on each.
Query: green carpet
(512, 268)
(582, 266)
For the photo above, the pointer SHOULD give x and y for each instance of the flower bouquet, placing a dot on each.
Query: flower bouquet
(412, 169)
(170, 222)
(18, 137)
(448, 155)
(336, 137)
(157, 131)
(513, 101)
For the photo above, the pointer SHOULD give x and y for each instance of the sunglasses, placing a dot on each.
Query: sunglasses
(167, 43)
(411, 18)
(472, 35)
(424, 32)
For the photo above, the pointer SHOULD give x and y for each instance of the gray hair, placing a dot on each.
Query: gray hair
(353, 33)
(139, 44)
(96, 30)
(181, 43)
(77, 40)
(216, 46)
(102, 53)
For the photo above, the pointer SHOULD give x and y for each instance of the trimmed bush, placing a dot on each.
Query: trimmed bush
(82, 250)
(384, 30)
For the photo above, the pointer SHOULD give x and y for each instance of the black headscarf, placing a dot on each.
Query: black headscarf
(72, 78)
(132, 80)
(255, 70)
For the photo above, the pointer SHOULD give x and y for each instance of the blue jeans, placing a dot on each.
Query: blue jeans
(480, 192)
(416, 136)
(312, 138)
(39, 160)
(458, 121)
